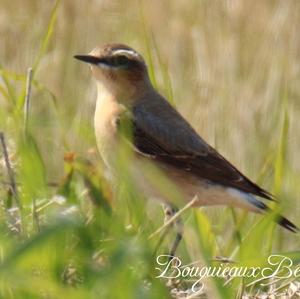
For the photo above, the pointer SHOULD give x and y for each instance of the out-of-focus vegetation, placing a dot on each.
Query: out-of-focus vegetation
(231, 67)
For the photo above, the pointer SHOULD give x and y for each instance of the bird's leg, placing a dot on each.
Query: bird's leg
(170, 211)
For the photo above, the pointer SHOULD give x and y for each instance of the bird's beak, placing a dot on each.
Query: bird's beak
(89, 59)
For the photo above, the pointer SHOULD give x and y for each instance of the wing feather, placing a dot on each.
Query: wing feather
(160, 132)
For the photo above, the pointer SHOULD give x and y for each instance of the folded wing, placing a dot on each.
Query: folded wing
(160, 132)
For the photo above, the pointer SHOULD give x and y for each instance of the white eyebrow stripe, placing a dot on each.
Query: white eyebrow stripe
(123, 51)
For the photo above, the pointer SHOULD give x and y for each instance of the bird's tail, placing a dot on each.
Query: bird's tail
(261, 207)
(287, 224)
(281, 220)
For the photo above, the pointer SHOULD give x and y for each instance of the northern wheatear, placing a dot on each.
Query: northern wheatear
(161, 135)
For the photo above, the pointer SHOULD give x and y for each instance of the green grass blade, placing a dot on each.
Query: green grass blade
(281, 154)
(47, 36)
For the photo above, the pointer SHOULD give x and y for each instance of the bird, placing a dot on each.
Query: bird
(162, 137)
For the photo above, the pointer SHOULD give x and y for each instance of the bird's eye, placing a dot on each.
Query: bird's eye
(119, 61)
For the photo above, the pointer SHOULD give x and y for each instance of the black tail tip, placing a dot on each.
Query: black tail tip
(287, 224)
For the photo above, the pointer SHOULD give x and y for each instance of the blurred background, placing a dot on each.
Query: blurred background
(232, 68)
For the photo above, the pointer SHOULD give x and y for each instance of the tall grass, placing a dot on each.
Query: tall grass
(230, 67)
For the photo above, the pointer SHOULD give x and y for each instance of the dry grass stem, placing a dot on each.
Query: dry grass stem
(174, 218)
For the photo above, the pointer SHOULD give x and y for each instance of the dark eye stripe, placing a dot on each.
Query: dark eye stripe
(120, 60)
(117, 61)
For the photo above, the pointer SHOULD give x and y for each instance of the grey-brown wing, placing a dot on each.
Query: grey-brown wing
(161, 132)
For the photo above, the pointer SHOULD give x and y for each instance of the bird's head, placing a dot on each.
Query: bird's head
(118, 69)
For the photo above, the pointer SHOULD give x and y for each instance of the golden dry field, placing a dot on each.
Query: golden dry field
(232, 68)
